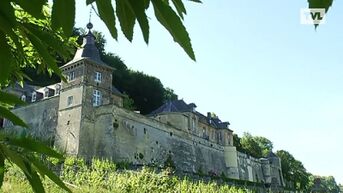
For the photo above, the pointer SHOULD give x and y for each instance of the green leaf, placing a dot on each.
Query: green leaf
(106, 13)
(197, 1)
(48, 39)
(180, 8)
(7, 60)
(138, 8)
(34, 180)
(146, 3)
(7, 11)
(33, 7)
(63, 15)
(43, 52)
(126, 18)
(45, 171)
(9, 24)
(325, 4)
(2, 168)
(10, 99)
(168, 18)
(5, 113)
(14, 157)
(89, 2)
(34, 146)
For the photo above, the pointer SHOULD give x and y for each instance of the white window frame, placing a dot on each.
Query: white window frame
(46, 93)
(71, 76)
(33, 97)
(57, 89)
(70, 101)
(98, 77)
(96, 98)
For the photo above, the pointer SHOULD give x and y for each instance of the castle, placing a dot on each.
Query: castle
(85, 117)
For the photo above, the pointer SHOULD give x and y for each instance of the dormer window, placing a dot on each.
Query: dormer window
(23, 97)
(33, 96)
(98, 77)
(46, 92)
(57, 89)
(71, 76)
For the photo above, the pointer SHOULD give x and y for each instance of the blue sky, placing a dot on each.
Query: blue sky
(258, 68)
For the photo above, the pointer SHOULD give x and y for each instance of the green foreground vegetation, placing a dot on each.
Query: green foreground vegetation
(105, 176)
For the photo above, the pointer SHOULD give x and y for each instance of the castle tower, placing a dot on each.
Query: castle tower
(89, 86)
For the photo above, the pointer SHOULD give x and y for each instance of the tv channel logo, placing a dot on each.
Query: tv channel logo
(312, 16)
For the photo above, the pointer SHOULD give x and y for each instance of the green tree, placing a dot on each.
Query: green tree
(169, 95)
(265, 144)
(293, 171)
(322, 184)
(250, 145)
(237, 143)
(256, 146)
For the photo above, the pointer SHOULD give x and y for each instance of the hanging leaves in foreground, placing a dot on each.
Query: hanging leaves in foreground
(106, 13)
(63, 15)
(126, 18)
(22, 152)
(168, 18)
(139, 10)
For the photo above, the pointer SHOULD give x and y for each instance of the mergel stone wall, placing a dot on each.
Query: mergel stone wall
(249, 168)
(41, 117)
(123, 135)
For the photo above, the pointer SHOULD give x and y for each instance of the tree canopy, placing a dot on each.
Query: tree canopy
(293, 170)
(256, 146)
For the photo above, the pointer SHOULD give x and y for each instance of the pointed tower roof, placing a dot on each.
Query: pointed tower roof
(88, 49)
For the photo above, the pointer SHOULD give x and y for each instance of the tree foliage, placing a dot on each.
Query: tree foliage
(250, 145)
(256, 146)
(265, 144)
(293, 170)
(322, 184)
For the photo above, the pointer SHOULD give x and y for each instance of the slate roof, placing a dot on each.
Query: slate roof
(26, 89)
(181, 106)
(173, 106)
(116, 91)
(88, 50)
(271, 154)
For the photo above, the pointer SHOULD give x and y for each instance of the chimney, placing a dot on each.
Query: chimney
(192, 106)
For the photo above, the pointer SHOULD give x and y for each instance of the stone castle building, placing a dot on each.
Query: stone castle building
(85, 117)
